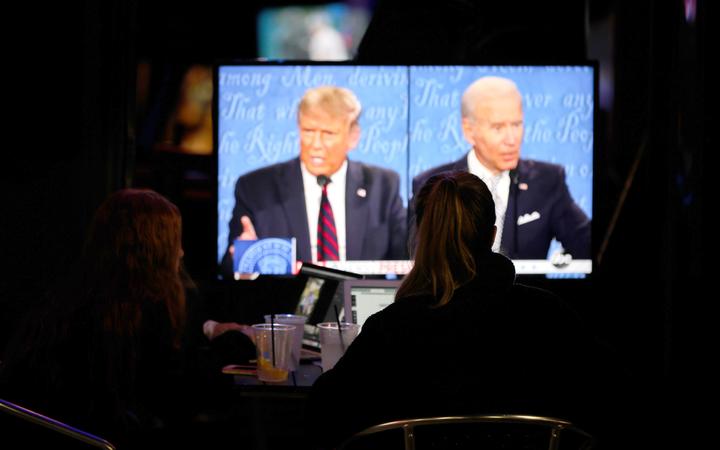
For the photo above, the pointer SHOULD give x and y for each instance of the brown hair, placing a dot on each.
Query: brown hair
(131, 256)
(455, 216)
(85, 352)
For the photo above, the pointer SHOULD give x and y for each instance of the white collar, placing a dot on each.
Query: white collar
(478, 169)
(338, 178)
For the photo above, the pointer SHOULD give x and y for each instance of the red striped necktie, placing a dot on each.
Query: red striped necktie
(327, 245)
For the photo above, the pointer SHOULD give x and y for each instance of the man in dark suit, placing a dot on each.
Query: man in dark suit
(533, 203)
(284, 199)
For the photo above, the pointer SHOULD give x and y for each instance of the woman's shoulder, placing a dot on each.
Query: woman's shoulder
(411, 304)
(521, 290)
(536, 297)
(403, 313)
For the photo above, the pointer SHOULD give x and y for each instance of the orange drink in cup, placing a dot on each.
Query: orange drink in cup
(273, 343)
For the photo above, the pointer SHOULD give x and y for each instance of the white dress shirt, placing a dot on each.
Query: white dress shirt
(336, 197)
(500, 195)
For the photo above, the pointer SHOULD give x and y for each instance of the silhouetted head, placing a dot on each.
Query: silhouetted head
(132, 254)
(137, 230)
(455, 216)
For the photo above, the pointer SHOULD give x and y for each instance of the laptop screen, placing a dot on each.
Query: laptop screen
(320, 299)
(308, 306)
(363, 298)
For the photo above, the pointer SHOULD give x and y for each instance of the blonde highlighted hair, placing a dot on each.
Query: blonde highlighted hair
(333, 100)
(455, 216)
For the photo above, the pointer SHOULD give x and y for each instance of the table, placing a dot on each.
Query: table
(303, 377)
(274, 413)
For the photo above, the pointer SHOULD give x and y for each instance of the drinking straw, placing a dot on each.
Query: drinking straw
(337, 320)
(272, 337)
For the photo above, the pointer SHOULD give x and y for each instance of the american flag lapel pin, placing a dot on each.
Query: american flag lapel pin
(523, 186)
(361, 193)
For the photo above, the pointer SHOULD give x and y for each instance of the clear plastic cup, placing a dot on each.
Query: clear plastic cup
(334, 342)
(273, 351)
(296, 346)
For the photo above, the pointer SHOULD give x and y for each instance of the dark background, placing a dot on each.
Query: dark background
(72, 128)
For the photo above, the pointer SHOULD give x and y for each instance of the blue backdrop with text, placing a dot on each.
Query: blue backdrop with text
(410, 120)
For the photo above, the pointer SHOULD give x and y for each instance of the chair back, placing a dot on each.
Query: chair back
(497, 432)
(29, 429)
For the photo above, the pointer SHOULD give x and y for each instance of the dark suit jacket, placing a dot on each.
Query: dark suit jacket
(538, 194)
(273, 198)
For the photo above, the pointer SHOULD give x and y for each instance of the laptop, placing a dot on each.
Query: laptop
(363, 298)
(320, 299)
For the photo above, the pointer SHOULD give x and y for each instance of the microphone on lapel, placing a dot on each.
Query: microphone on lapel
(322, 180)
(514, 176)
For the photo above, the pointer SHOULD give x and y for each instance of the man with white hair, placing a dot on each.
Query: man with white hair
(532, 202)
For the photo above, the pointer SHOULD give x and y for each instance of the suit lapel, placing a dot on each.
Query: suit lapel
(461, 164)
(355, 211)
(292, 194)
(515, 200)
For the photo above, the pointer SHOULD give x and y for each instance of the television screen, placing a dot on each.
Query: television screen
(410, 122)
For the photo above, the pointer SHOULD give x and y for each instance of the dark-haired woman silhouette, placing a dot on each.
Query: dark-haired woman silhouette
(106, 355)
(463, 337)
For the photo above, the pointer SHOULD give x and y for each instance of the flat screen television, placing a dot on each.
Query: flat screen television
(410, 122)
